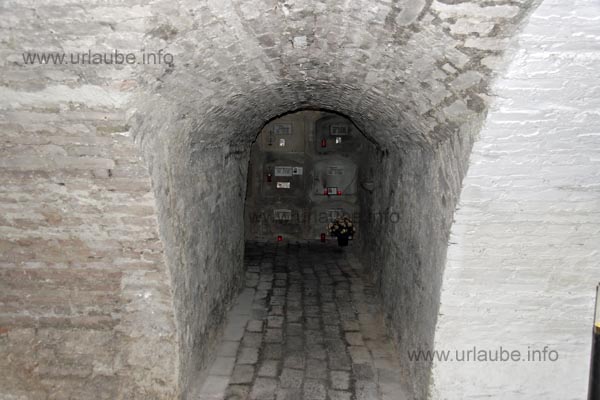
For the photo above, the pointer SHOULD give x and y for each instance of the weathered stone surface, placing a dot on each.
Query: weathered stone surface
(82, 264)
(76, 198)
(522, 260)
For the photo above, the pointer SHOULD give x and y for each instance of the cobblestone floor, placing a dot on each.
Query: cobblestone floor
(306, 327)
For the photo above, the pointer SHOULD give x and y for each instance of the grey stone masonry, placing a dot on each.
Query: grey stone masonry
(116, 271)
(307, 326)
(522, 262)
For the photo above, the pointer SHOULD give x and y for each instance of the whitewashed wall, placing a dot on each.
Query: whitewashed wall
(524, 256)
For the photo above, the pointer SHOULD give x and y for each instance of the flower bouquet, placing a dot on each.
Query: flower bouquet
(343, 228)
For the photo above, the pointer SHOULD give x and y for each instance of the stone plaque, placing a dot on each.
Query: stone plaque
(282, 129)
(335, 170)
(334, 213)
(336, 173)
(282, 214)
(339, 130)
(284, 171)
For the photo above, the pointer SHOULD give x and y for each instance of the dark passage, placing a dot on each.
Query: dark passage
(306, 326)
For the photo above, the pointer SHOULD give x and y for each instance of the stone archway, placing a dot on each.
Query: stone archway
(424, 108)
(200, 195)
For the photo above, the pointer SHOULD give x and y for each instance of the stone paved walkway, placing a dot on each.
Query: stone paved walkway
(307, 327)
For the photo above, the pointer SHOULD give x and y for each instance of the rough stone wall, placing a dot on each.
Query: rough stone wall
(409, 74)
(522, 262)
(406, 224)
(85, 302)
(200, 196)
(86, 309)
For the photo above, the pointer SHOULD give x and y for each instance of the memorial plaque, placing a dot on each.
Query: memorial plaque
(282, 214)
(284, 171)
(335, 170)
(285, 180)
(335, 175)
(334, 213)
(283, 137)
(339, 130)
(282, 129)
(335, 134)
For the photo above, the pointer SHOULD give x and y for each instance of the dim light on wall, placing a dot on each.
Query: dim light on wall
(269, 177)
(280, 238)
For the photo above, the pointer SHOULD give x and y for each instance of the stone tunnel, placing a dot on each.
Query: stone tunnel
(124, 254)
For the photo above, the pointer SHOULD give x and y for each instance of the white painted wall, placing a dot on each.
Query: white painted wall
(524, 256)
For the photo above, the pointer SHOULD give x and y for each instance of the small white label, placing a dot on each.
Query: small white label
(283, 171)
(281, 142)
(297, 171)
(283, 185)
